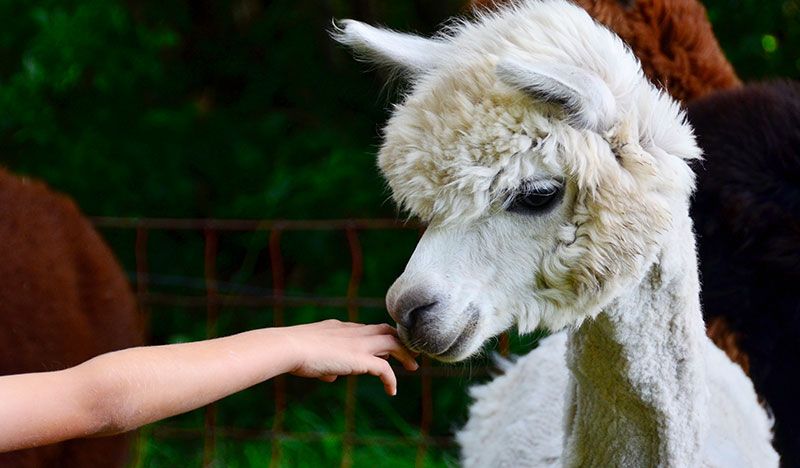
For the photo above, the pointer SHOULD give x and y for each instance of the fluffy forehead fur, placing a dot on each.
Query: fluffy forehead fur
(673, 39)
(464, 139)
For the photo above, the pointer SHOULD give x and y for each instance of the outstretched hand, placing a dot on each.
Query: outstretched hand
(328, 349)
(123, 390)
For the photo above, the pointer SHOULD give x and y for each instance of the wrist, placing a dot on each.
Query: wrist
(283, 348)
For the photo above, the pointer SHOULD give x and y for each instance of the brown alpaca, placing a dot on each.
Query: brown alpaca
(63, 300)
(672, 38)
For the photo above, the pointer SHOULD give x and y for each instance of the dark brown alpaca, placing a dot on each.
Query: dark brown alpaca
(63, 300)
(747, 218)
(672, 38)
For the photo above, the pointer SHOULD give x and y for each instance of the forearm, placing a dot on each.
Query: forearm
(37, 409)
(120, 391)
(142, 385)
(123, 390)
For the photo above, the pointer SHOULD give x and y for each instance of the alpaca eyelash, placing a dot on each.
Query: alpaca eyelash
(534, 197)
(538, 186)
(542, 186)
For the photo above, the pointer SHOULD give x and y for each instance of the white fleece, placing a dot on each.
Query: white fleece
(516, 420)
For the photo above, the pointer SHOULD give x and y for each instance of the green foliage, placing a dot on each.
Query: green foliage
(761, 38)
(246, 109)
(237, 108)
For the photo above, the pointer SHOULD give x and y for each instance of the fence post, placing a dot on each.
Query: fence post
(142, 273)
(212, 314)
(356, 272)
(142, 270)
(278, 290)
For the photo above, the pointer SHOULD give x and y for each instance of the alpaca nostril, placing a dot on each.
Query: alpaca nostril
(409, 306)
(410, 317)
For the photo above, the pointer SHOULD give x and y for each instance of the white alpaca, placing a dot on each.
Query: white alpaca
(554, 180)
(511, 420)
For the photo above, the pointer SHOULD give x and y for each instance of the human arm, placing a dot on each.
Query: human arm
(123, 390)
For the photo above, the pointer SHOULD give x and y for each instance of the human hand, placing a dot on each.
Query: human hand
(326, 350)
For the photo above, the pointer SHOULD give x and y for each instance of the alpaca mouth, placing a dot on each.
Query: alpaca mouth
(456, 348)
(439, 347)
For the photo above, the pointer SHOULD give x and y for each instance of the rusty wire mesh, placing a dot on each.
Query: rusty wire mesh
(212, 300)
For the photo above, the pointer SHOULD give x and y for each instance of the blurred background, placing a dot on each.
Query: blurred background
(246, 110)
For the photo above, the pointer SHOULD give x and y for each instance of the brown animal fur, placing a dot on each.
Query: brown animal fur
(672, 38)
(63, 300)
(728, 340)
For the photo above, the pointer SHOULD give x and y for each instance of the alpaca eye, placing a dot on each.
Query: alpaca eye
(535, 200)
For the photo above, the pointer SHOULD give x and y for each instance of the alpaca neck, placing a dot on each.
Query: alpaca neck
(638, 388)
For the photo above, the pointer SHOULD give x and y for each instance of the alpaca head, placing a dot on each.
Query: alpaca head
(547, 168)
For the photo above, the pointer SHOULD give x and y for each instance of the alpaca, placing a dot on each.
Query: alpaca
(747, 214)
(675, 43)
(64, 300)
(555, 181)
(757, 334)
(672, 38)
(739, 128)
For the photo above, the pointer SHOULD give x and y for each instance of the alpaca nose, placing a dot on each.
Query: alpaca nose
(412, 306)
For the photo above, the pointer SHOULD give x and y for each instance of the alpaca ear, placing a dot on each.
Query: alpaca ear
(382, 46)
(583, 95)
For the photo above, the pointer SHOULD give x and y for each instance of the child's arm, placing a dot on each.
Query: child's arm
(123, 390)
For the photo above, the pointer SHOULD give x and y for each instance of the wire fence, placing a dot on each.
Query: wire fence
(276, 298)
